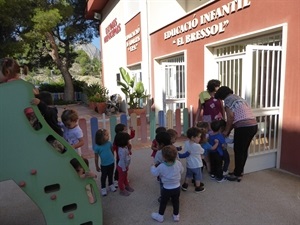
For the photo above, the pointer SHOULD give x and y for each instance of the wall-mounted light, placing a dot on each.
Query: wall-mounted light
(97, 16)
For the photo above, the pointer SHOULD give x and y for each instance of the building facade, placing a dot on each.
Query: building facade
(176, 46)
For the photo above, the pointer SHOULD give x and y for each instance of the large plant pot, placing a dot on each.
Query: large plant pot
(138, 112)
(92, 105)
(101, 106)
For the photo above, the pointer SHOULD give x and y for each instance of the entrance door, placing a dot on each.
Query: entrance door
(254, 74)
(174, 91)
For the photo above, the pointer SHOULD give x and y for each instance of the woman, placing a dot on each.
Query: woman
(209, 108)
(241, 119)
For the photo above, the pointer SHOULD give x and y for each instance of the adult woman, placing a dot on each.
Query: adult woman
(241, 119)
(209, 108)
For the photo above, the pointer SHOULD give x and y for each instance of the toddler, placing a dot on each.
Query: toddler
(216, 156)
(204, 127)
(121, 128)
(154, 145)
(103, 149)
(44, 102)
(193, 152)
(122, 141)
(71, 130)
(170, 173)
(226, 158)
(10, 70)
(163, 139)
(174, 135)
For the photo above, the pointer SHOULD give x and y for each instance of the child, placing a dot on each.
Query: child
(216, 156)
(193, 152)
(103, 149)
(44, 102)
(122, 141)
(163, 139)
(71, 130)
(174, 135)
(170, 173)
(121, 128)
(154, 145)
(10, 70)
(82, 174)
(226, 158)
(204, 127)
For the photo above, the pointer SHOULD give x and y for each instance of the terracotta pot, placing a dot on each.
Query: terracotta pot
(138, 112)
(92, 105)
(101, 107)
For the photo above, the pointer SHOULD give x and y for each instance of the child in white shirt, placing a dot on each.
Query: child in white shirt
(169, 171)
(193, 152)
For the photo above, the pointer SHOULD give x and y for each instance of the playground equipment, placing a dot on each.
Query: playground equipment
(42, 171)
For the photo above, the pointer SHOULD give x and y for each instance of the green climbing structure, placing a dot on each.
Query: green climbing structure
(43, 173)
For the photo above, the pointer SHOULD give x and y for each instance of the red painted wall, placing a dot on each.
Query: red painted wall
(134, 49)
(259, 15)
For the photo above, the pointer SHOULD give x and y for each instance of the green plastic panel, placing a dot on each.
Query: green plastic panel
(42, 172)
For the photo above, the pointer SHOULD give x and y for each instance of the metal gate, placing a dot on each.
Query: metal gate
(174, 96)
(255, 74)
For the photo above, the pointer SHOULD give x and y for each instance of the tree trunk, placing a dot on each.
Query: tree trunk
(69, 87)
(63, 67)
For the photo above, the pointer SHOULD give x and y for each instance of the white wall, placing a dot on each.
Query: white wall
(163, 12)
(113, 51)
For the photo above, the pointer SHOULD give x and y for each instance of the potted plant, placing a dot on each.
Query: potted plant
(134, 92)
(97, 95)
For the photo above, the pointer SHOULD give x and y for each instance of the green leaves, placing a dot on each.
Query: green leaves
(134, 91)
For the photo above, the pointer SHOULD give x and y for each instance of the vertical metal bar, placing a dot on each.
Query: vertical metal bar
(236, 61)
(272, 80)
(256, 78)
(270, 134)
(261, 78)
(267, 79)
(277, 78)
(230, 72)
(275, 131)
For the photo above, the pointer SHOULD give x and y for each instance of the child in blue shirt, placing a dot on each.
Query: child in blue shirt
(103, 149)
(216, 156)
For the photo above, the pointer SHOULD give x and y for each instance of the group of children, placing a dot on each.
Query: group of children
(206, 146)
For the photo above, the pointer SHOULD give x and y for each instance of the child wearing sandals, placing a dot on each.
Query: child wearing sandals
(103, 149)
(170, 173)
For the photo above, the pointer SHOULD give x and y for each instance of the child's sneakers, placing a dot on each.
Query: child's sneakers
(112, 188)
(220, 180)
(103, 191)
(184, 187)
(176, 218)
(225, 173)
(157, 217)
(130, 189)
(199, 189)
(116, 183)
(124, 192)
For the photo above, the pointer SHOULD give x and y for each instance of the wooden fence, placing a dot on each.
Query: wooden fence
(145, 132)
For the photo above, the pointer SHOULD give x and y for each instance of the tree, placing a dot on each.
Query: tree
(44, 33)
(88, 66)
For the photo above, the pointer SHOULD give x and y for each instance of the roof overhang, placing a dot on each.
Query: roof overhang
(94, 6)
